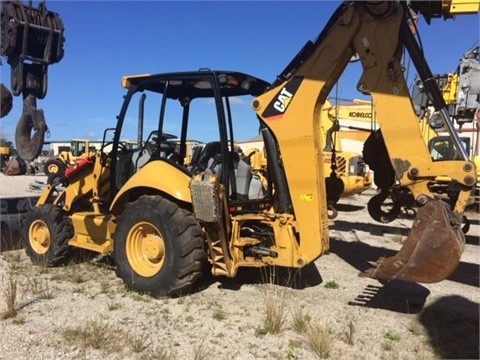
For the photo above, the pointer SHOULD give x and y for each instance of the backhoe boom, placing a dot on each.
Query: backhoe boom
(376, 32)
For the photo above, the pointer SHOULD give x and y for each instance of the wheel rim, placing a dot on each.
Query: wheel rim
(145, 249)
(39, 237)
(52, 168)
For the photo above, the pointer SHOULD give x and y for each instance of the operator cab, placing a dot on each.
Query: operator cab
(442, 148)
(201, 116)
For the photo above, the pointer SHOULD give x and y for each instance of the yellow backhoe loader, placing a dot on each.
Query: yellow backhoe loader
(160, 220)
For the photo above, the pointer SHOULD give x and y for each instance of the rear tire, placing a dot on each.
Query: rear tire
(46, 232)
(158, 247)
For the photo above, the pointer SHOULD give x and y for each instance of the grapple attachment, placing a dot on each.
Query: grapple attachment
(32, 39)
(432, 250)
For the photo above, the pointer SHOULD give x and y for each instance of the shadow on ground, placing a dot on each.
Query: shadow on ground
(472, 240)
(361, 256)
(452, 325)
(9, 239)
(398, 296)
(374, 229)
(348, 207)
(292, 278)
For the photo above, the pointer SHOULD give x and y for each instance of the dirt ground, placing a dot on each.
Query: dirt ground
(82, 311)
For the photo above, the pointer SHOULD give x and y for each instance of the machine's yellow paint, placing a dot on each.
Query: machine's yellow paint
(160, 176)
(128, 80)
(145, 249)
(39, 237)
(455, 7)
(93, 231)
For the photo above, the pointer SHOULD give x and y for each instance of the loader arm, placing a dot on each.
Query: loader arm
(376, 31)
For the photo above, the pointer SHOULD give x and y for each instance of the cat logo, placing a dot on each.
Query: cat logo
(279, 104)
(283, 100)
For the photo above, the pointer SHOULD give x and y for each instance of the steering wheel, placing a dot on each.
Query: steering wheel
(121, 149)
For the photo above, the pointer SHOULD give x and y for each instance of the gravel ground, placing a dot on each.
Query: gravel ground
(23, 185)
(83, 311)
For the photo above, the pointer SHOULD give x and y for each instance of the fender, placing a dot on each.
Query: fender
(158, 175)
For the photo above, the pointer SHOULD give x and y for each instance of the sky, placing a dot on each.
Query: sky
(106, 40)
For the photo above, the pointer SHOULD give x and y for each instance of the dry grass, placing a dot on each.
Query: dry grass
(10, 297)
(95, 335)
(275, 304)
(301, 321)
(320, 340)
(14, 260)
(219, 314)
(39, 287)
(158, 353)
(137, 343)
(350, 332)
(114, 306)
(201, 352)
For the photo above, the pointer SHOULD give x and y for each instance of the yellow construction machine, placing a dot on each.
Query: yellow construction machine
(461, 92)
(79, 150)
(5, 153)
(348, 166)
(356, 121)
(161, 221)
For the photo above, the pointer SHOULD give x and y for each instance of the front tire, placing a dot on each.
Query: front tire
(158, 247)
(46, 232)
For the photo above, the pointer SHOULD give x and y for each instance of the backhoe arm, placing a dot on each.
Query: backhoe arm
(377, 32)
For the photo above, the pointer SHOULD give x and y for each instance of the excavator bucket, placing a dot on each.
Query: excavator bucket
(432, 250)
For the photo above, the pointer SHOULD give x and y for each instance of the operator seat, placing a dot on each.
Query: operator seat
(210, 160)
(210, 156)
(243, 178)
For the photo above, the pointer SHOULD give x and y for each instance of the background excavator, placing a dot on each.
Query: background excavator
(347, 164)
(460, 91)
(161, 219)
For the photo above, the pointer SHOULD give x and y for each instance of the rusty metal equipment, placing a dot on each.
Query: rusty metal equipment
(431, 253)
(7, 100)
(32, 39)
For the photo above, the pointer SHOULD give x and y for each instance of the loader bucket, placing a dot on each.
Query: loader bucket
(432, 250)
